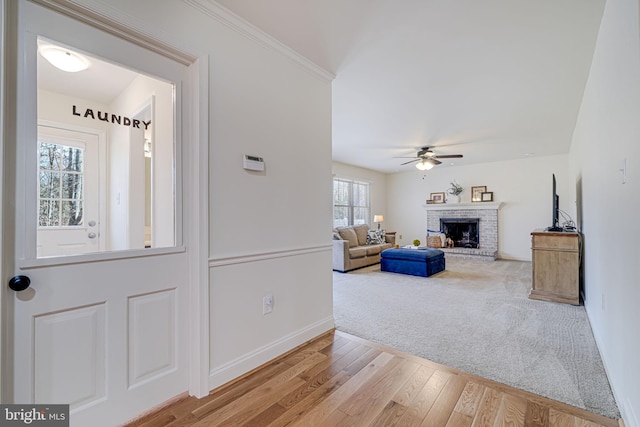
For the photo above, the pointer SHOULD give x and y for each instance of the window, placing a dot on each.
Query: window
(61, 185)
(350, 202)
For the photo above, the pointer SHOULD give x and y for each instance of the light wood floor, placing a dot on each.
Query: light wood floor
(342, 380)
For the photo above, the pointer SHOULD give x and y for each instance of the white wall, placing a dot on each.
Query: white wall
(268, 231)
(126, 167)
(606, 134)
(525, 187)
(378, 188)
(50, 107)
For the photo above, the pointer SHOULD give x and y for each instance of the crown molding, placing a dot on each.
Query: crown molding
(225, 16)
(100, 14)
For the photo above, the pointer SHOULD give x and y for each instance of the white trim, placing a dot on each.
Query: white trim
(464, 206)
(4, 322)
(197, 230)
(97, 257)
(260, 256)
(631, 419)
(101, 15)
(352, 178)
(243, 364)
(230, 19)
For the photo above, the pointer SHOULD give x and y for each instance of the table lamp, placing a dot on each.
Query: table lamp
(378, 219)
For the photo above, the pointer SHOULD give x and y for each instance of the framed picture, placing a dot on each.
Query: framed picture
(487, 196)
(437, 197)
(476, 193)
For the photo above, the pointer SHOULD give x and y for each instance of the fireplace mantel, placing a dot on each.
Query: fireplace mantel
(463, 206)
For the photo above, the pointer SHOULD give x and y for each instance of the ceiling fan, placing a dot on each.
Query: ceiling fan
(427, 159)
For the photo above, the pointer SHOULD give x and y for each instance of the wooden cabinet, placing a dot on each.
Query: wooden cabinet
(556, 266)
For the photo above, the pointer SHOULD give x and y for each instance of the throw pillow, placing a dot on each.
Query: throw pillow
(375, 237)
(347, 233)
(361, 231)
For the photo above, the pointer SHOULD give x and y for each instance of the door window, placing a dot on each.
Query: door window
(60, 185)
(133, 205)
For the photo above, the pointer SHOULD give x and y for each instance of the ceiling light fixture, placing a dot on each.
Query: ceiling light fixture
(64, 59)
(424, 165)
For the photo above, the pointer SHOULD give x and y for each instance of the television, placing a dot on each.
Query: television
(555, 209)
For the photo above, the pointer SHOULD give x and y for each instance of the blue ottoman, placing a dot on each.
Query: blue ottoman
(417, 262)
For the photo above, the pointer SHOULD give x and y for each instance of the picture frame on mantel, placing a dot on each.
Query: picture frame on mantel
(487, 196)
(437, 197)
(476, 193)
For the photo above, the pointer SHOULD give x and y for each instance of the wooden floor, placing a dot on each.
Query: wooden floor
(341, 380)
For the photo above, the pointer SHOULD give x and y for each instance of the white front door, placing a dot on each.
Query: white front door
(105, 332)
(68, 191)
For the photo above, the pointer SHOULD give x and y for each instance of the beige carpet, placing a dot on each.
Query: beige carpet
(476, 316)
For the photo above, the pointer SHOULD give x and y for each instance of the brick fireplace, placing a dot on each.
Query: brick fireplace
(484, 214)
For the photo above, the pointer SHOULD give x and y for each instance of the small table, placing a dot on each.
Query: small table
(417, 262)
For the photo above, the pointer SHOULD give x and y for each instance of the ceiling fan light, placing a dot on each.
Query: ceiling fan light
(424, 165)
(64, 59)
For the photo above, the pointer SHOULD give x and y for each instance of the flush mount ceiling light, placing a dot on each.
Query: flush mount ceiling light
(64, 59)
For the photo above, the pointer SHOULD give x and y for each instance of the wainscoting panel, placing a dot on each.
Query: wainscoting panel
(70, 356)
(242, 335)
(152, 336)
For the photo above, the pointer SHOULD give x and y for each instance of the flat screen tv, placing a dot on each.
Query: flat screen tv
(555, 208)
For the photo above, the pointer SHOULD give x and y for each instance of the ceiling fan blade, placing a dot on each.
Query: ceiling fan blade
(449, 156)
(434, 161)
(410, 161)
(412, 157)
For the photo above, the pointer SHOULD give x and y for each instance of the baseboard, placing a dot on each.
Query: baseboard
(156, 408)
(512, 258)
(629, 415)
(627, 412)
(243, 364)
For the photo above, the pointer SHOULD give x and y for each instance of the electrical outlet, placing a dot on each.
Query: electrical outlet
(400, 237)
(602, 299)
(267, 303)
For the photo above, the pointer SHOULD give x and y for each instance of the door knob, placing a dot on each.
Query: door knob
(19, 283)
(91, 235)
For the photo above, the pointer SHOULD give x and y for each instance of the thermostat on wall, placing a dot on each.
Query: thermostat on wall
(253, 163)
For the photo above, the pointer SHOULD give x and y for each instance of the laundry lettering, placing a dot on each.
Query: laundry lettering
(105, 116)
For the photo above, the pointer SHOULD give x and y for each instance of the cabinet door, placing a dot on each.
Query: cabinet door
(556, 272)
(555, 262)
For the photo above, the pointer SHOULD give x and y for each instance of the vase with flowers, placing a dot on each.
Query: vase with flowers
(455, 190)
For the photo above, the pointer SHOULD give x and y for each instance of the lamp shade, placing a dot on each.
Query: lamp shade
(378, 218)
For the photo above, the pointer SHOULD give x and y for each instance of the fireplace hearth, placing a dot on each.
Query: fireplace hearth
(464, 232)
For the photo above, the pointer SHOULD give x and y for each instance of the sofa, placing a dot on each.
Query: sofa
(357, 246)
